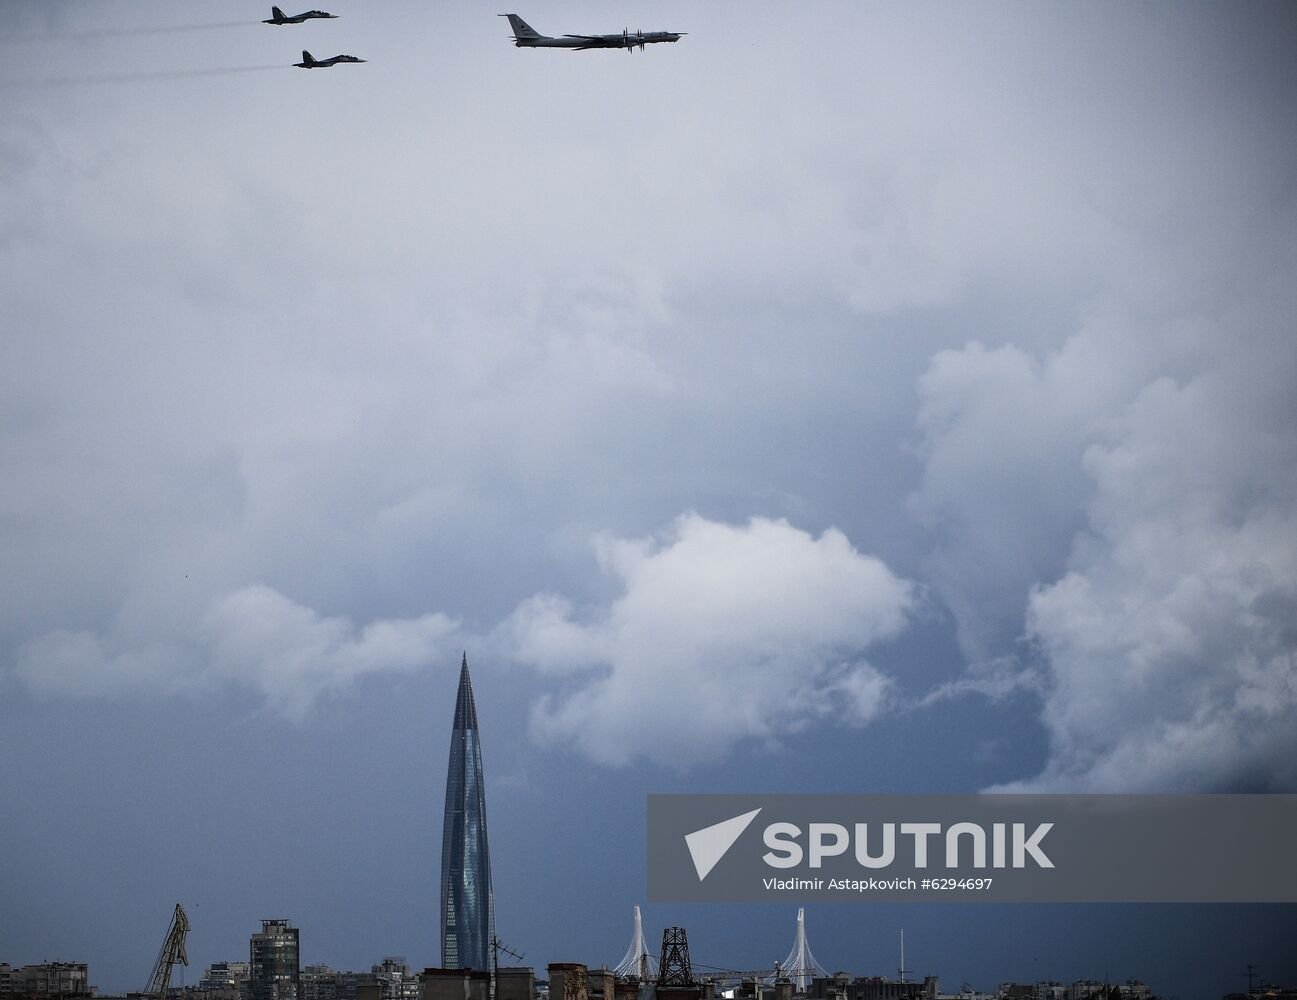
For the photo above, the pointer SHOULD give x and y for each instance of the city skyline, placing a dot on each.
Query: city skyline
(893, 399)
(393, 979)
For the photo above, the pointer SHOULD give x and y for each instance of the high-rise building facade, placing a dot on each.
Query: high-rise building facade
(49, 979)
(467, 903)
(274, 972)
(225, 981)
(318, 982)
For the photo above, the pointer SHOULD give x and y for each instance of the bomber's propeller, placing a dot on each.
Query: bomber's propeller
(639, 35)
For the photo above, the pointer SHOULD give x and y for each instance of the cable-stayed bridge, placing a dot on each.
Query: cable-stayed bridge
(800, 967)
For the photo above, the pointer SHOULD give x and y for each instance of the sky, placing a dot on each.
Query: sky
(855, 398)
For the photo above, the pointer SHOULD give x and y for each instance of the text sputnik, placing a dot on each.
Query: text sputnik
(827, 840)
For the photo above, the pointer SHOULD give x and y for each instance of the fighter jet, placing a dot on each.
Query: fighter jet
(277, 16)
(310, 62)
(525, 36)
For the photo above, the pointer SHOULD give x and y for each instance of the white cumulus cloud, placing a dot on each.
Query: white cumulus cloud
(721, 634)
(1002, 441)
(293, 655)
(254, 638)
(1123, 518)
(1172, 639)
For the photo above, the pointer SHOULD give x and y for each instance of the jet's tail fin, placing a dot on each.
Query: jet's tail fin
(521, 29)
(276, 13)
(307, 57)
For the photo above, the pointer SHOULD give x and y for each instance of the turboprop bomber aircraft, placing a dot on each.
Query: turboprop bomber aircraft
(277, 16)
(310, 62)
(527, 37)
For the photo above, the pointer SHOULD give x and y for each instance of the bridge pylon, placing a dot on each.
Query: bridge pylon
(800, 966)
(637, 962)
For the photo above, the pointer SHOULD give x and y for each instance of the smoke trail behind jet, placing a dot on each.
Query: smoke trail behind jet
(88, 36)
(83, 81)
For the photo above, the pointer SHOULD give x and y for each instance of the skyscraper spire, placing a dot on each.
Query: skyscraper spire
(465, 709)
(467, 903)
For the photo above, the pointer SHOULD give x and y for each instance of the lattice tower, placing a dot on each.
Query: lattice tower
(674, 968)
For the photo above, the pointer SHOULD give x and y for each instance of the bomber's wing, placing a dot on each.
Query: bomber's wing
(589, 42)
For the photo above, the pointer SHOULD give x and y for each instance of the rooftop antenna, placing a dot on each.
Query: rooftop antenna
(902, 970)
(498, 946)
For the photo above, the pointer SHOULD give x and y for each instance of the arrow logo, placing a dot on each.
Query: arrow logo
(708, 845)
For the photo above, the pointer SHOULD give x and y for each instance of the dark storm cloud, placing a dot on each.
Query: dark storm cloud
(310, 378)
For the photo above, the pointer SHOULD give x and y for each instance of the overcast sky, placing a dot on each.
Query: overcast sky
(850, 397)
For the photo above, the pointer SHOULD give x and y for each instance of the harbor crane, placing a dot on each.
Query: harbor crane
(173, 951)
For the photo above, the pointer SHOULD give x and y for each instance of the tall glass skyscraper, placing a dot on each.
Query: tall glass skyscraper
(467, 903)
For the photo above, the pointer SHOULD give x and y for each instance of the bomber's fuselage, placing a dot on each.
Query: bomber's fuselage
(628, 40)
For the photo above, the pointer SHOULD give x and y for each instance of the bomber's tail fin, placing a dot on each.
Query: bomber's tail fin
(276, 13)
(521, 29)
